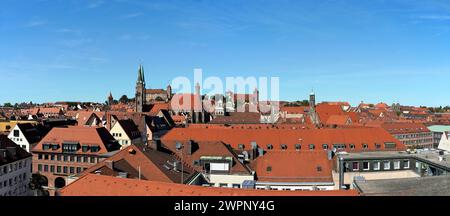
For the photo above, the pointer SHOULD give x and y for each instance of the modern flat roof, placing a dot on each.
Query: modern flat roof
(428, 156)
(425, 186)
(439, 128)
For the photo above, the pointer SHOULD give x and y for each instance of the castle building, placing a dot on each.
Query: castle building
(144, 97)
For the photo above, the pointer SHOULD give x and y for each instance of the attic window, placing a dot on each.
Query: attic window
(389, 145)
(352, 146)
(95, 148)
(241, 146)
(298, 147)
(365, 146)
(46, 146)
(269, 169)
(85, 148)
(55, 146)
(269, 146)
(377, 146)
(312, 146)
(283, 146)
(319, 169)
(325, 146)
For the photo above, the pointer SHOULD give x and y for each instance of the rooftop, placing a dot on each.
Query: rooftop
(426, 186)
(98, 185)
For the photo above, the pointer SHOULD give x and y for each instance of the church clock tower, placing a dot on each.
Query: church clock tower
(140, 90)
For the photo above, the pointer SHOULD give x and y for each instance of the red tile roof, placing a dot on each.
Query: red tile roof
(292, 166)
(403, 128)
(339, 120)
(263, 136)
(91, 136)
(326, 110)
(98, 185)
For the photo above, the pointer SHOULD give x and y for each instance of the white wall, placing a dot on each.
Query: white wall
(218, 179)
(20, 186)
(20, 140)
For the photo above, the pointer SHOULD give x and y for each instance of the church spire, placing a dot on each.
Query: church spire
(141, 78)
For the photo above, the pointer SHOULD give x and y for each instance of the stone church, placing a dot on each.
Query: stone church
(145, 97)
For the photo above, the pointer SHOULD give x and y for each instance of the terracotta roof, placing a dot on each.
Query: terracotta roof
(339, 120)
(276, 137)
(155, 91)
(292, 166)
(238, 118)
(157, 107)
(295, 109)
(153, 165)
(90, 136)
(98, 185)
(326, 110)
(17, 153)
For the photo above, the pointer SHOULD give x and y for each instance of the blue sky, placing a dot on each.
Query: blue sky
(370, 50)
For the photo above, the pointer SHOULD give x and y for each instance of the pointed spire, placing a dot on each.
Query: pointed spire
(139, 74)
(143, 74)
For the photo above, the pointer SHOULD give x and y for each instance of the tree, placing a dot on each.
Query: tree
(7, 105)
(37, 184)
(124, 99)
(159, 98)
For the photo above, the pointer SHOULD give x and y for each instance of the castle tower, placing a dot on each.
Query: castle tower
(140, 90)
(110, 99)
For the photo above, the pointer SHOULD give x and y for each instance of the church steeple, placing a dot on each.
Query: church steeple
(140, 90)
(141, 78)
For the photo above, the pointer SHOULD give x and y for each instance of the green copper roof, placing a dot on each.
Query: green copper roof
(439, 128)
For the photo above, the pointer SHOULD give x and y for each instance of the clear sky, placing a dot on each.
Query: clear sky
(355, 50)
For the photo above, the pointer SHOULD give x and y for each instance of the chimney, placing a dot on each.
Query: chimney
(191, 147)
(109, 164)
(12, 150)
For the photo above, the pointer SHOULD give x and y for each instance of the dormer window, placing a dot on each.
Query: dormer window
(283, 146)
(312, 146)
(298, 147)
(365, 146)
(377, 145)
(352, 146)
(84, 148)
(95, 148)
(269, 146)
(55, 147)
(269, 169)
(46, 146)
(325, 146)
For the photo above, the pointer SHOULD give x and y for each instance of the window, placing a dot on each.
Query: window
(355, 166)
(78, 159)
(366, 166)
(78, 169)
(55, 147)
(65, 170)
(298, 147)
(45, 168)
(70, 147)
(325, 146)
(386, 165)
(376, 165)
(45, 156)
(241, 146)
(72, 170)
(283, 146)
(377, 146)
(236, 186)
(45, 146)
(339, 146)
(85, 148)
(269, 169)
(58, 157)
(40, 167)
(312, 146)
(58, 169)
(352, 146)
(92, 159)
(52, 168)
(16, 133)
(65, 158)
(40, 156)
(52, 157)
(389, 145)
(406, 164)
(319, 169)
(95, 148)
(397, 165)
